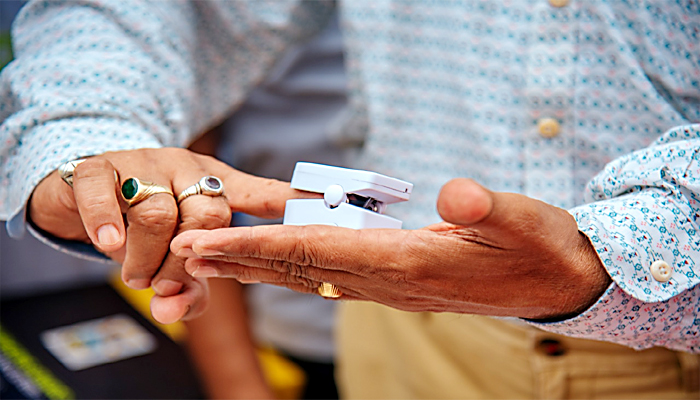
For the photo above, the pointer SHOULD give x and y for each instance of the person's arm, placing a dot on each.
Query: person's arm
(121, 81)
(643, 219)
(510, 255)
(221, 346)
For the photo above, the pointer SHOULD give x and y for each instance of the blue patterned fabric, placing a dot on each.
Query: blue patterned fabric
(441, 89)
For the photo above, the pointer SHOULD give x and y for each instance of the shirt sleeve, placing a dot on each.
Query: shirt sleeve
(643, 211)
(109, 75)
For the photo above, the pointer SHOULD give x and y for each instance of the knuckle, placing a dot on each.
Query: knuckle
(96, 205)
(289, 268)
(92, 168)
(208, 218)
(293, 273)
(302, 252)
(156, 217)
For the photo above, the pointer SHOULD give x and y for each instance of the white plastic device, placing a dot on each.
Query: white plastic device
(351, 198)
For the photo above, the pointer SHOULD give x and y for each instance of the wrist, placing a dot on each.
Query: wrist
(590, 280)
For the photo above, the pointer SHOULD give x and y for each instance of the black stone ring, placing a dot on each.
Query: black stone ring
(208, 186)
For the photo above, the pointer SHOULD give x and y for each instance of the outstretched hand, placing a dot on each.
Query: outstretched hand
(499, 254)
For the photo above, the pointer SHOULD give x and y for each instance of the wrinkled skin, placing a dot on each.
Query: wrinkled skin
(499, 254)
(138, 237)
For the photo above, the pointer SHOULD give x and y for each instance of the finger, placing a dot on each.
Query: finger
(189, 303)
(254, 269)
(198, 211)
(464, 202)
(245, 273)
(152, 224)
(261, 197)
(333, 248)
(378, 292)
(95, 193)
(181, 245)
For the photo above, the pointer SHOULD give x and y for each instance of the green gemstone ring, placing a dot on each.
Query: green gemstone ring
(135, 191)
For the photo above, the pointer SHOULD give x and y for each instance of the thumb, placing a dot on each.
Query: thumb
(464, 202)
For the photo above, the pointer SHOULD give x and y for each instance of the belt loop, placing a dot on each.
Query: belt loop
(690, 371)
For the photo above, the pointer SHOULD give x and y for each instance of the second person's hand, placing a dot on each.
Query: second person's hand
(499, 254)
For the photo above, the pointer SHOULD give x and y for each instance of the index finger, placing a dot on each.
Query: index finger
(312, 245)
(254, 195)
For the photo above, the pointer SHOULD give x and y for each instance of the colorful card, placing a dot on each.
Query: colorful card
(98, 341)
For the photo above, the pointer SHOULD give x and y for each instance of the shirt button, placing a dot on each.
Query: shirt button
(548, 127)
(551, 347)
(661, 271)
(559, 3)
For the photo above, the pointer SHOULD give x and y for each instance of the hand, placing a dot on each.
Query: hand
(93, 212)
(499, 254)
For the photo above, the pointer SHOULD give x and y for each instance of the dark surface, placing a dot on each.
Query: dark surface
(320, 379)
(164, 374)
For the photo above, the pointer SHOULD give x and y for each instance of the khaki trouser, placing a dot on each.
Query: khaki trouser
(389, 354)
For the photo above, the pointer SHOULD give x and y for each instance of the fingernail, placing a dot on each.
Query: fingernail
(209, 253)
(247, 281)
(108, 235)
(138, 284)
(186, 253)
(167, 287)
(205, 272)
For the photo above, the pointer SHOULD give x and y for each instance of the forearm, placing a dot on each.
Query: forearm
(83, 83)
(116, 75)
(222, 348)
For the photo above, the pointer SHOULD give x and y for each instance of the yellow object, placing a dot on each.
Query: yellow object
(284, 377)
(34, 371)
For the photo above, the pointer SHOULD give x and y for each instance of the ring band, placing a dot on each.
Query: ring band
(135, 191)
(329, 291)
(208, 186)
(67, 170)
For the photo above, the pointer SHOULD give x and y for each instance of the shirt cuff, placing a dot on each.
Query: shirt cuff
(620, 318)
(18, 225)
(630, 239)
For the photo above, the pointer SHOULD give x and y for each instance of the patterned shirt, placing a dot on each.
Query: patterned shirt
(590, 105)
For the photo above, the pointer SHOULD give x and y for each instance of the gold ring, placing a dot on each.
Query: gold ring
(329, 291)
(135, 191)
(67, 170)
(208, 186)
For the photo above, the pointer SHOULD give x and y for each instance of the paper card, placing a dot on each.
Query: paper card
(99, 341)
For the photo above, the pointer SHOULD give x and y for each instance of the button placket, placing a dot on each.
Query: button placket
(548, 170)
